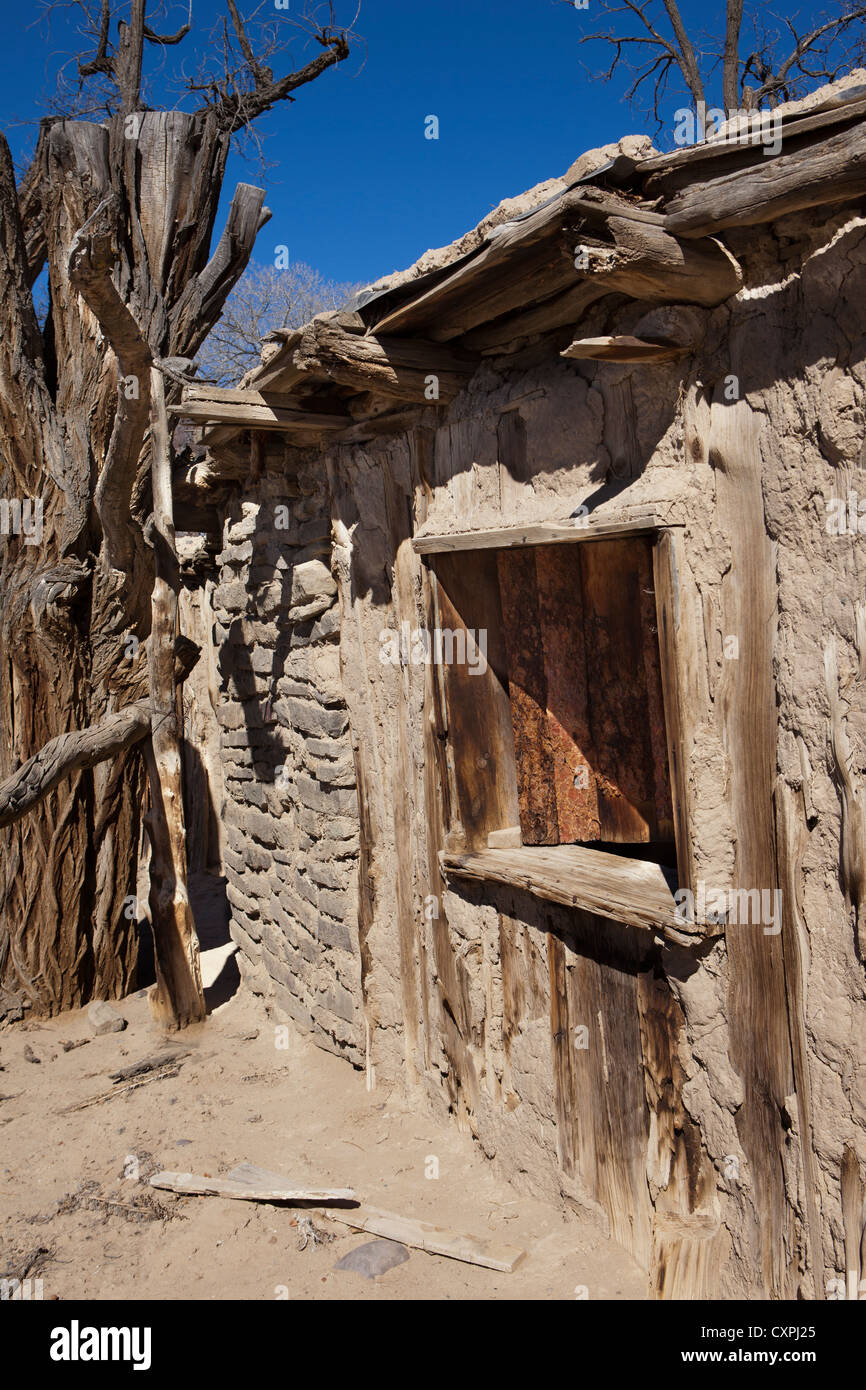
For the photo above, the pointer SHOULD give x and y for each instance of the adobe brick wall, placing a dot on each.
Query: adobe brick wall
(291, 818)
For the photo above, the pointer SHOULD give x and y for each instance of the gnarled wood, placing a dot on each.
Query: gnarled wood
(66, 754)
(177, 998)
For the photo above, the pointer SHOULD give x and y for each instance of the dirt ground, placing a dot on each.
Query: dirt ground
(75, 1214)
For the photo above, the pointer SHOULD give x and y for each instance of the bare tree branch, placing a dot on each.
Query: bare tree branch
(688, 62)
(817, 54)
(81, 748)
(265, 298)
(237, 106)
(66, 754)
(731, 57)
(166, 40)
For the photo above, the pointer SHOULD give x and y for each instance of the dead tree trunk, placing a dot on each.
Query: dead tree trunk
(123, 216)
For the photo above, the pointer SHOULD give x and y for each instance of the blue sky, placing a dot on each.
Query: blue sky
(355, 188)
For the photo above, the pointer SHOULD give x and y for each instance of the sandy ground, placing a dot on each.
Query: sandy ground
(68, 1184)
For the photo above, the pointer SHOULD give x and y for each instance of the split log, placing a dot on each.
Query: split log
(830, 171)
(633, 891)
(626, 250)
(584, 528)
(177, 999)
(740, 146)
(278, 371)
(398, 367)
(249, 410)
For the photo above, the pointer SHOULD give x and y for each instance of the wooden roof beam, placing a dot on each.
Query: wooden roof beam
(251, 410)
(829, 171)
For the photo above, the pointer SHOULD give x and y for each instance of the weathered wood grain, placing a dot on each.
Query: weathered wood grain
(583, 528)
(435, 1240)
(478, 710)
(257, 1185)
(633, 891)
(760, 1047)
(829, 171)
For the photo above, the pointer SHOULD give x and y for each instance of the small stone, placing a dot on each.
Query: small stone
(374, 1257)
(104, 1019)
(181, 1143)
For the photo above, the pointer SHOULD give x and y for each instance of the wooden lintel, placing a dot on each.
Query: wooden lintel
(633, 891)
(623, 349)
(543, 533)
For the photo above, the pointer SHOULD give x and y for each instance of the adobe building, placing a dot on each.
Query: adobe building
(537, 647)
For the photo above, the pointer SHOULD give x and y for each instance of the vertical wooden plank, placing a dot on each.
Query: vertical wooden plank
(479, 714)
(561, 616)
(760, 1047)
(561, 1052)
(528, 691)
(676, 720)
(607, 963)
(602, 1115)
(655, 706)
(619, 707)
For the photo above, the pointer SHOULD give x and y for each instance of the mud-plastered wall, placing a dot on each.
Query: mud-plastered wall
(748, 1050)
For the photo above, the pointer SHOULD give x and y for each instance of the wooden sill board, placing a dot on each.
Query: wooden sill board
(633, 891)
(542, 533)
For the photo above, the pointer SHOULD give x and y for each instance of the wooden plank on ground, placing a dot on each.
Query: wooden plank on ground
(250, 1184)
(435, 1240)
